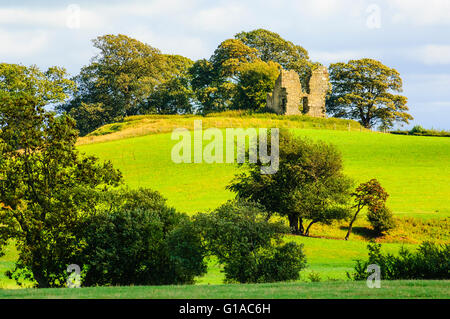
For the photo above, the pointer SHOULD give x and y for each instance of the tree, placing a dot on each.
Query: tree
(46, 187)
(255, 79)
(122, 76)
(89, 116)
(136, 239)
(271, 46)
(381, 219)
(172, 97)
(365, 90)
(249, 245)
(214, 80)
(309, 183)
(369, 194)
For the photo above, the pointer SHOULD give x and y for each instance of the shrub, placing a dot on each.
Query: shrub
(141, 241)
(417, 130)
(314, 276)
(249, 245)
(430, 261)
(381, 219)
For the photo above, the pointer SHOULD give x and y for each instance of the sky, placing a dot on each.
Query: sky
(412, 36)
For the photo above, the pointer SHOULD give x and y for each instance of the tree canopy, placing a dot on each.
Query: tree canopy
(45, 185)
(365, 90)
(121, 76)
(309, 184)
(271, 46)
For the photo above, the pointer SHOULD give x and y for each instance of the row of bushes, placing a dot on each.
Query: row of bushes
(136, 239)
(420, 131)
(429, 261)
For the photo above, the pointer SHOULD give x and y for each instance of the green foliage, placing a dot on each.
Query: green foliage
(46, 187)
(429, 261)
(314, 276)
(363, 90)
(213, 80)
(138, 240)
(381, 219)
(172, 97)
(88, 116)
(255, 79)
(271, 46)
(309, 183)
(249, 245)
(119, 80)
(420, 131)
(370, 195)
(229, 56)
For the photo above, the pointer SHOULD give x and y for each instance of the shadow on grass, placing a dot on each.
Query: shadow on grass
(362, 231)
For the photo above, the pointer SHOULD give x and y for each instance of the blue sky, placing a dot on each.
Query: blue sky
(412, 36)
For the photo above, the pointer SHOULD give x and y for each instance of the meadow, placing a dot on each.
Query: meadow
(423, 289)
(415, 171)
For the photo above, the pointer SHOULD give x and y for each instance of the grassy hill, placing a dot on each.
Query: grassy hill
(415, 171)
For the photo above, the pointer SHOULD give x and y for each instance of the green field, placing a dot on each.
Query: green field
(415, 171)
(333, 289)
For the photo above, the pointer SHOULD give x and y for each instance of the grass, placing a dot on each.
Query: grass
(330, 258)
(414, 170)
(141, 125)
(426, 289)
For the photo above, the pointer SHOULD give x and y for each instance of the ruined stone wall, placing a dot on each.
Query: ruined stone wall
(288, 97)
(287, 94)
(318, 88)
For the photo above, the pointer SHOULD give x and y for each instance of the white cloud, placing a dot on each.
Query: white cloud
(192, 47)
(420, 12)
(432, 54)
(50, 17)
(20, 44)
(222, 18)
(336, 56)
(148, 8)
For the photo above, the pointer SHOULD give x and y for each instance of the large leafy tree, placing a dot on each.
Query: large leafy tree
(120, 78)
(255, 79)
(214, 80)
(309, 184)
(271, 46)
(365, 90)
(46, 187)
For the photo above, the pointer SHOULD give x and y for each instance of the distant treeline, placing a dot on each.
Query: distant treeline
(420, 131)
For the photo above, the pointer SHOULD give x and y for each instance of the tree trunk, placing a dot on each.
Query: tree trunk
(309, 226)
(350, 226)
(300, 225)
(293, 224)
(39, 277)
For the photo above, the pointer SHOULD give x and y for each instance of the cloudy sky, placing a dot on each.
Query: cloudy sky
(412, 36)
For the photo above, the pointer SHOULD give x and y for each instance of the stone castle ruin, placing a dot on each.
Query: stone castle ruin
(289, 98)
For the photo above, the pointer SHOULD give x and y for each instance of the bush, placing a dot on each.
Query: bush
(381, 219)
(430, 261)
(417, 130)
(249, 245)
(141, 241)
